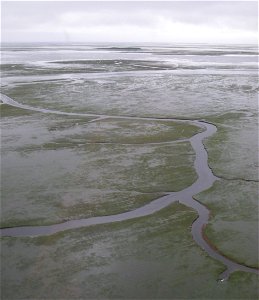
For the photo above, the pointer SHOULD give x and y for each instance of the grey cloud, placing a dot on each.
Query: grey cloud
(25, 18)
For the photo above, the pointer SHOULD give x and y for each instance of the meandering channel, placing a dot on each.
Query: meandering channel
(205, 181)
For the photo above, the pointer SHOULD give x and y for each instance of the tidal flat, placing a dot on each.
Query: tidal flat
(76, 169)
(57, 168)
(154, 257)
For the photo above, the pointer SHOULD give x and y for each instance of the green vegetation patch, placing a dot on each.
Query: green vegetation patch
(10, 111)
(47, 94)
(233, 150)
(149, 257)
(141, 131)
(122, 131)
(233, 226)
(53, 184)
(62, 167)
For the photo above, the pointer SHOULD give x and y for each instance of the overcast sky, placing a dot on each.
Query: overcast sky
(133, 21)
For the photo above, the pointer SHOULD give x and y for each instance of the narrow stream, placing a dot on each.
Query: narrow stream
(205, 181)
